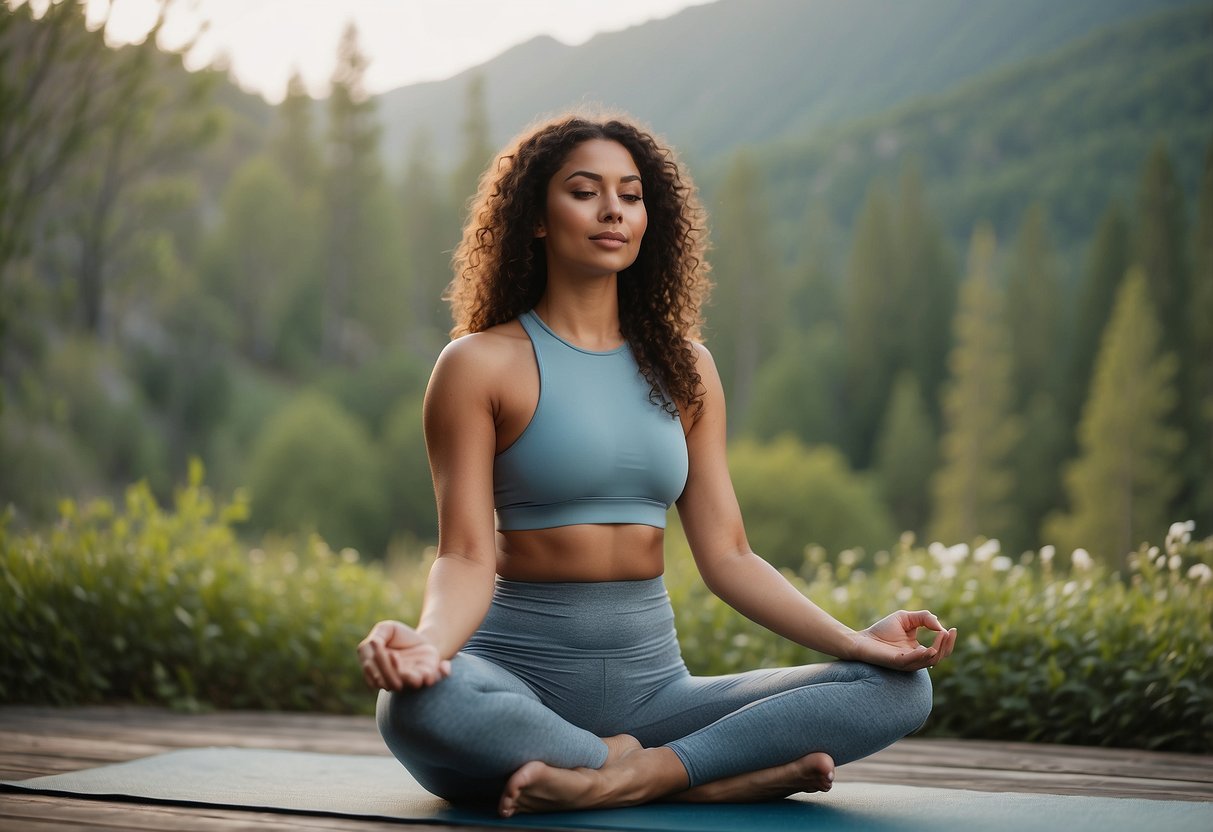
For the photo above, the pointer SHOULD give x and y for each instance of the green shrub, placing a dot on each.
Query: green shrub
(407, 471)
(315, 468)
(165, 606)
(792, 495)
(1045, 653)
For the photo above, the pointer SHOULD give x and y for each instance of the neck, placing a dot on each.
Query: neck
(586, 314)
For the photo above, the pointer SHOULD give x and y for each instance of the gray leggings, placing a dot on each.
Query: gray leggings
(556, 666)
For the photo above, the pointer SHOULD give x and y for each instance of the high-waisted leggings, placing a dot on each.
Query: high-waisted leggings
(556, 666)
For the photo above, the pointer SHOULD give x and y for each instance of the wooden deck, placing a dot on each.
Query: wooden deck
(36, 741)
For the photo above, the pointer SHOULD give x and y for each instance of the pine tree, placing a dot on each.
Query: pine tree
(1122, 483)
(906, 455)
(1106, 266)
(1159, 247)
(813, 292)
(927, 290)
(972, 490)
(429, 239)
(870, 323)
(1035, 311)
(352, 177)
(749, 304)
(294, 145)
(797, 389)
(1200, 380)
(477, 147)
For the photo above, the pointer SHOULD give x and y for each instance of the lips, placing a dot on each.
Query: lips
(610, 235)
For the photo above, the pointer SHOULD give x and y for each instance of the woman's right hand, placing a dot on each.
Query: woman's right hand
(394, 656)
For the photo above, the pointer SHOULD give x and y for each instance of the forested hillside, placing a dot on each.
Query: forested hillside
(1067, 129)
(743, 71)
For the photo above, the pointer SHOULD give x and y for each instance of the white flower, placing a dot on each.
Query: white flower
(947, 571)
(848, 557)
(1180, 534)
(1201, 573)
(916, 572)
(1001, 563)
(958, 552)
(1047, 553)
(1174, 563)
(1069, 588)
(840, 594)
(938, 551)
(986, 551)
(1081, 560)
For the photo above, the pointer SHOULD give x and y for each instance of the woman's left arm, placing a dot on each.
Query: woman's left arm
(712, 521)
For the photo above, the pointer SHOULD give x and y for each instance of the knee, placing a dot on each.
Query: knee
(916, 699)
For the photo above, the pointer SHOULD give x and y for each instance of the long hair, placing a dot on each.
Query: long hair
(501, 267)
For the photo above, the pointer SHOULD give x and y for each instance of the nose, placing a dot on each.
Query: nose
(612, 207)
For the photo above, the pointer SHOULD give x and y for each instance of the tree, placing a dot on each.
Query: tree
(749, 301)
(1035, 308)
(1200, 379)
(314, 468)
(797, 391)
(973, 488)
(814, 296)
(906, 455)
(477, 147)
(1159, 246)
(1035, 313)
(819, 499)
(1107, 263)
(1121, 486)
(363, 291)
(50, 73)
(429, 239)
(261, 256)
(927, 287)
(294, 144)
(870, 323)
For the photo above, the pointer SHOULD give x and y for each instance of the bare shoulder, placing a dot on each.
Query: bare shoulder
(482, 356)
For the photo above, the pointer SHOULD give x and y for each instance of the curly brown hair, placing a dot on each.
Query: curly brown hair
(501, 267)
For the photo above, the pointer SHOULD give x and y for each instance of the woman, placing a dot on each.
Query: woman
(544, 670)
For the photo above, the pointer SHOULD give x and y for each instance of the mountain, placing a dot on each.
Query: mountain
(736, 72)
(1071, 129)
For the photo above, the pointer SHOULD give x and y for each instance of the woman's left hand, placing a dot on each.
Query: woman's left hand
(893, 642)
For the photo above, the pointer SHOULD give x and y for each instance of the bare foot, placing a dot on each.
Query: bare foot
(811, 773)
(630, 775)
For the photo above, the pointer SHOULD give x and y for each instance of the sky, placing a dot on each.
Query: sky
(406, 40)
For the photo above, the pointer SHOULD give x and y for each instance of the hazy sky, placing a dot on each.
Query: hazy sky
(406, 40)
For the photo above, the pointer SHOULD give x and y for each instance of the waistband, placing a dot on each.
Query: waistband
(612, 617)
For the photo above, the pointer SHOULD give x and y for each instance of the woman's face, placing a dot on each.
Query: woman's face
(594, 218)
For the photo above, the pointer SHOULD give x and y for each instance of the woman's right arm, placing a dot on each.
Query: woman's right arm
(460, 435)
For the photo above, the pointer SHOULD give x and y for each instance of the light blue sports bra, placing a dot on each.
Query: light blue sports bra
(597, 450)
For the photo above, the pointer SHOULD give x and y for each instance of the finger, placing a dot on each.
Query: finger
(387, 668)
(445, 667)
(925, 618)
(372, 676)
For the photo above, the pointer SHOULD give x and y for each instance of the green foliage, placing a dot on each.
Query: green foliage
(792, 495)
(315, 465)
(797, 389)
(1046, 652)
(973, 487)
(1121, 485)
(906, 455)
(163, 606)
(748, 305)
(407, 471)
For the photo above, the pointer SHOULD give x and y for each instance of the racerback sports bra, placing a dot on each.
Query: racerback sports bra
(597, 450)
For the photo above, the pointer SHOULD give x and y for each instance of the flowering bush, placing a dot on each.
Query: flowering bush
(1050, 649)
(167, 606)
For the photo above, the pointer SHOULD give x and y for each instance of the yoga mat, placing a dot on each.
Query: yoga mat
(379, 787)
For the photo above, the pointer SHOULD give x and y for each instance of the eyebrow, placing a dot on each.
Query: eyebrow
(598, 178)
